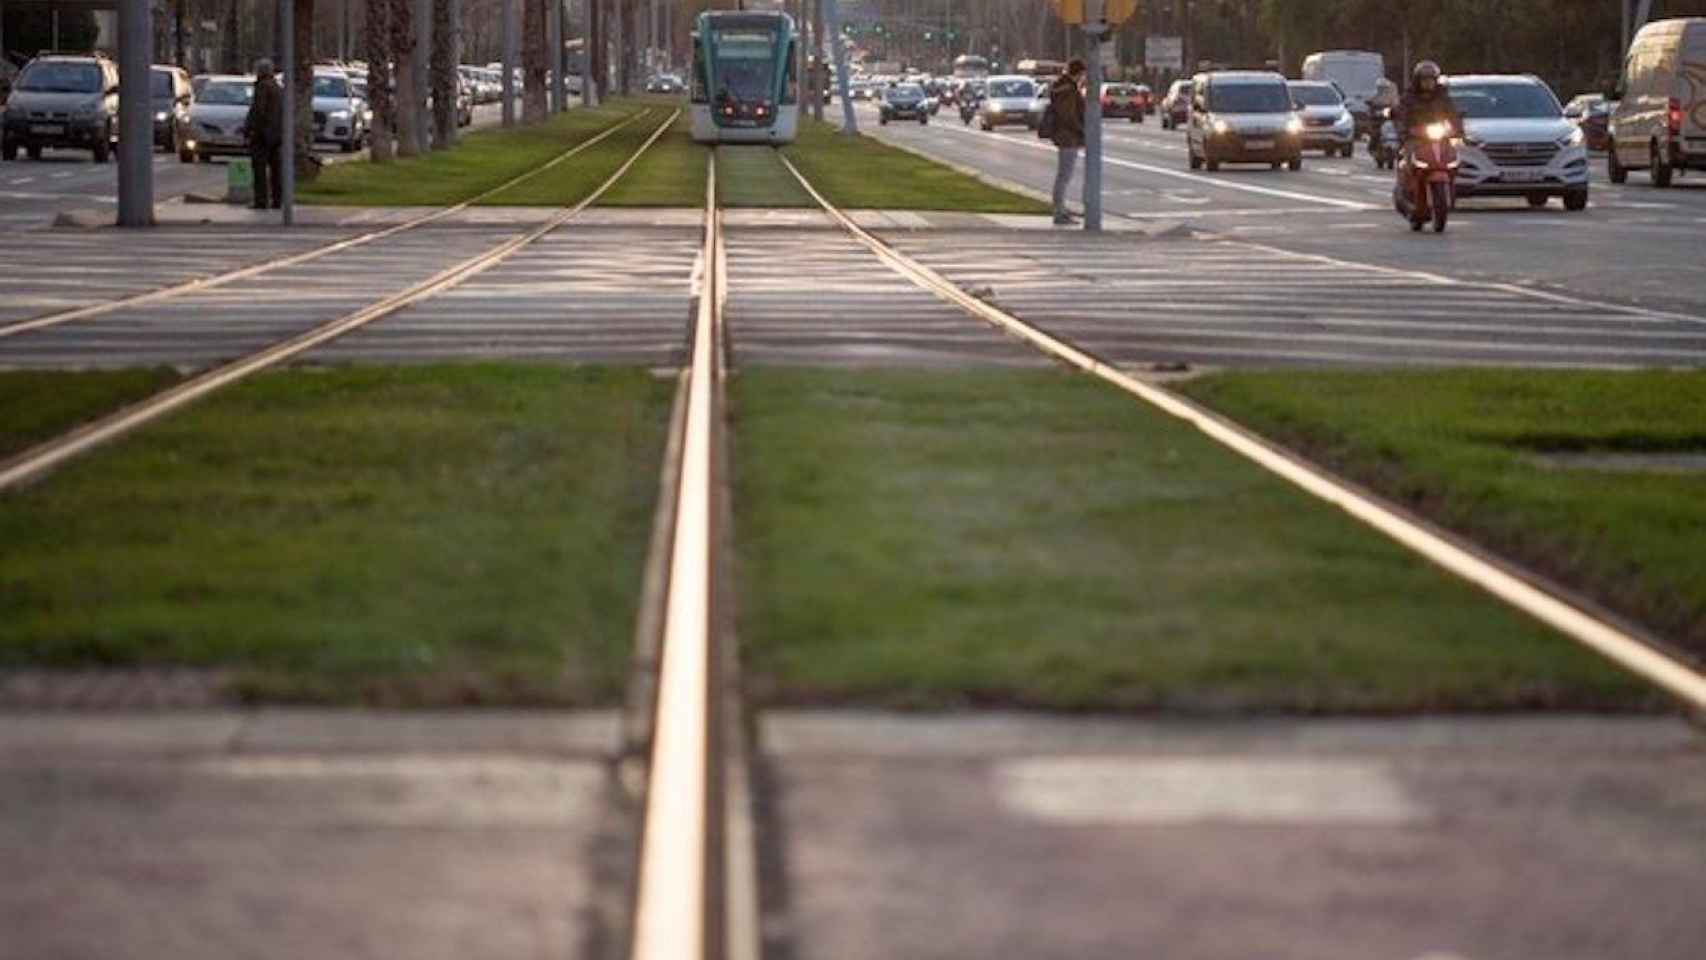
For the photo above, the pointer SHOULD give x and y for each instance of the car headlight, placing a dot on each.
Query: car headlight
(1221, 126)
(1294, 125)
(160, 116)
(1574, 138)
(1345, 119)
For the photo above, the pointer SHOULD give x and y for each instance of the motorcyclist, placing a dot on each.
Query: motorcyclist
(1425, 102)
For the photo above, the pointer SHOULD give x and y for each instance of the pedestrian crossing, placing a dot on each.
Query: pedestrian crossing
(618, 296)
(1217, 302)
(55, 270)
(816, 297)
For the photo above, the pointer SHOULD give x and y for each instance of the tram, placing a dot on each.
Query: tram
(745, 78)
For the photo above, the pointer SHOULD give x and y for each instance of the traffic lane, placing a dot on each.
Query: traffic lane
(1623, 248)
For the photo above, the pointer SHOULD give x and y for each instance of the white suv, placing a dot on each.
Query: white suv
(1517, 142)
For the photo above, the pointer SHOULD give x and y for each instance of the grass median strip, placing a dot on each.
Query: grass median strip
(479, 161)
(38, 405)
(1034, 539)
(1580, 475)
(440, 534)
(670, 174)
(864, 173)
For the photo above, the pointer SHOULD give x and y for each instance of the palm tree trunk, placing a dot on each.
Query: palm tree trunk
(406, 109)
(533, 105)
(376, 42)
(445, 49)
(304, 80)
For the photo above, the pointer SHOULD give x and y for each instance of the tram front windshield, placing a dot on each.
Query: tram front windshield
(746, 63)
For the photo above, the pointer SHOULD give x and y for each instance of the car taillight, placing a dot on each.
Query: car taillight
(1674, 115)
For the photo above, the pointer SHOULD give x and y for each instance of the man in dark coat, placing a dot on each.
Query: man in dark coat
(265, 129)
(1066, 98)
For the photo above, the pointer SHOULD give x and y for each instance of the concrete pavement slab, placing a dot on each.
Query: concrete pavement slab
(296, 834)
(1017, 836)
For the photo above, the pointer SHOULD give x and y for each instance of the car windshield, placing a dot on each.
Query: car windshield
(1248, 98)
(1313, 96)
(161, 83)
(1504, 101)
(228, 93)
(906, 91)
(61, 78)
(1010, 88)
(329, 86)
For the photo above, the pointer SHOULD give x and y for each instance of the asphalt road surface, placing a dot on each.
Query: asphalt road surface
(1634, 244)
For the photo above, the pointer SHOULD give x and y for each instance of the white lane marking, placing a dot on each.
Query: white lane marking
(1193, 177)
(1089, 791)
(669, 911)
(20, 181)
(60, 176)
(1673, 675)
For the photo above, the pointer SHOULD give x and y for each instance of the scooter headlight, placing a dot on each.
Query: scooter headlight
(1439, 131)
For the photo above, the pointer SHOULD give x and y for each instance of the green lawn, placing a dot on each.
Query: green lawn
(570, 182)
(671, 174)
(435, 534)
(864, 173)
(479, 162)
(1461, 447)
(755, 177)
(947, 539)
(38, 405)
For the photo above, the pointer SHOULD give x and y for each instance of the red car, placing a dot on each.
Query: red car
(1124, 100)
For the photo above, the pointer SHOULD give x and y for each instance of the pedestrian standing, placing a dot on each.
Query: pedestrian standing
(264, 127)
(1066, 99)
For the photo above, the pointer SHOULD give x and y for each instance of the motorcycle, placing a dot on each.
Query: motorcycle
(968, 109)
(1383, 144)
(1425, 186)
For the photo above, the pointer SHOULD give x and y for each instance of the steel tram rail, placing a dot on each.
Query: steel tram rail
(38, 460)
(258, 269)
(1625, 646)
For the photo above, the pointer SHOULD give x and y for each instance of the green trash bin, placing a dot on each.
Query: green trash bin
(239, 181)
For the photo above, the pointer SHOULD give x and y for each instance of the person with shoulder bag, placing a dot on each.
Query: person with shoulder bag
(1063, 123)
(264, 128)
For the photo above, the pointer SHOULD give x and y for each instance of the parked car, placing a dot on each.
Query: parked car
(1123, 100)
(1007, 100)
(218, 115)
(62, 100)
(172, 98)
(1176, 105)
(1327, 122)
(337, 112)
(904, 101)
(1516, 142)
(1660, 123)
(1243, 116)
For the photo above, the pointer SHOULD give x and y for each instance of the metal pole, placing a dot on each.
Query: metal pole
(509, 62)
(589, 54)
(421, 63)
(1095, 28)
(135, 119)
(286, 169)
(832, 24)
(819, 76)
(554, 35)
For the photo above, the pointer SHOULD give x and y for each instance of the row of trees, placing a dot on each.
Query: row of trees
(1574, 44)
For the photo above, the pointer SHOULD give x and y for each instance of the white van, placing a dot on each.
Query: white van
(1360, 76)
(1660, 125)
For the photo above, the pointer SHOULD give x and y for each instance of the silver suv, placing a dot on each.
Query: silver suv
(62, 100)
(1517, 143)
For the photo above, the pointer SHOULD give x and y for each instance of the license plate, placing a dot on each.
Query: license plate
(50, 129)
(1258, 144)
(1523, 176)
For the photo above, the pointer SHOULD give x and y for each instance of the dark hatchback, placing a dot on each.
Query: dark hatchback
(904, 101)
